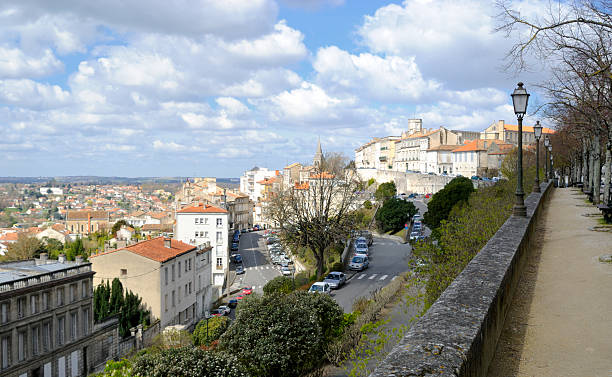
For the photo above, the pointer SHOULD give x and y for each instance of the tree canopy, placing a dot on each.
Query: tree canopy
(110, 300)
(456, 191)
(385, 191)
(394, 213)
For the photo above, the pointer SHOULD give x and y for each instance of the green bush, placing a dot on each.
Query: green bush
(282, 335)
(216, 328)
(121, 368)
(456, 191)
(280, 284)
(385, 191)
(394, 214)
(187, 362)
(367, 204)
(338, 266)
(302, 278)
(371, 181)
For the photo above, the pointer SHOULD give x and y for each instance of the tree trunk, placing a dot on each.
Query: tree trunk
(585, 164)
(320, 258)
(607, 173)
(591, 167)
(596, 169)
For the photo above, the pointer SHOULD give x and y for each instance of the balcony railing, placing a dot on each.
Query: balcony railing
(42, 278)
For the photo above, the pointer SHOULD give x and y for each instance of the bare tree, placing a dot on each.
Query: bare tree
(318, 212)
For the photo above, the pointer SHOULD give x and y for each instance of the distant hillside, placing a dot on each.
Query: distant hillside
(109, 180)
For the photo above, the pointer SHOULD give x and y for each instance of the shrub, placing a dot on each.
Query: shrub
(455, 192)
(216, 328)
(121, 368)
(385, 191)
(187, 362)
(302, 278)
(280, 284)
(282, 335)
(338, 266)
(394, 214)
(367, 204)
(371, 181)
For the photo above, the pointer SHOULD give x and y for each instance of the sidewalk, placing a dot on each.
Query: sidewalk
(560, 323)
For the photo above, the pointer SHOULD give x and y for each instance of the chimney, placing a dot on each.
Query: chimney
(43, 258)
(168, 242)
(79, 259)
(61, 258)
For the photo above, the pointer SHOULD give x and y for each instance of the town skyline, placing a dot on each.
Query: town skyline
(213, 90)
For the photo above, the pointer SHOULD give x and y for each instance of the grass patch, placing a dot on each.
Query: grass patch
(401, 233)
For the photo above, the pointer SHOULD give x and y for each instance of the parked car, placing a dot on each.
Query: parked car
(286, 271)
(414, 235)
(359, 263)
(234, 246)
(239, 270)
(247, 290)
(236, 258)
(217, 312)
(361, 249)
(224, 309)
(320, 287)
(335, 279)
(232, 303)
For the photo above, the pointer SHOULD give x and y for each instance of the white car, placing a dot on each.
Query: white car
(320, 287)
(286, 271)
(359, 263)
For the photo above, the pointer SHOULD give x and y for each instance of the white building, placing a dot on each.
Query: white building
(51, 191)
(249, 185)
(202, 224)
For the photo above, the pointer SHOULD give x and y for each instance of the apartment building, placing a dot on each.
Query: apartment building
(46, 317)
(508, 133)
(248, 181)
(166, 273)
(206, 224)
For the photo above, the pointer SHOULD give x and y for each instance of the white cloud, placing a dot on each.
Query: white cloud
(31, 94)
(168, 146)
(232, 106)
(389, 78)
(14, 63)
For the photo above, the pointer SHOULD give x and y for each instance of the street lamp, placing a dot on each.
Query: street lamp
(520, 97)
(537, 133)
(546, 145)
(550, 169)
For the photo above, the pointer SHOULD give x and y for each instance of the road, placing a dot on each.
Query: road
(388, 259)
(258, 269)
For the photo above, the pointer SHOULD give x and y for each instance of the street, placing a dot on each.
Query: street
(388, 259)
(258, 269)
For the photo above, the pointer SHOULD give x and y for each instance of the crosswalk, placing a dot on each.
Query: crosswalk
(378, 277)
(259, 268)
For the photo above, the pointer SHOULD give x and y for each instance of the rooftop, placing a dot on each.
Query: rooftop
(41, 270)
(202, 208)
(155, 249)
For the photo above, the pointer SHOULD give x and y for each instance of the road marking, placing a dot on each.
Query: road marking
(393, 278)
(372, 277)
(383, 277)
(361, 276)
(267, 267)
(260, 287)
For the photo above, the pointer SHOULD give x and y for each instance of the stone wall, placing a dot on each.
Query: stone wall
(407, 182)
(458, 334)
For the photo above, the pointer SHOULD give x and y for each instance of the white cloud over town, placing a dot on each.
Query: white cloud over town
(99, 88)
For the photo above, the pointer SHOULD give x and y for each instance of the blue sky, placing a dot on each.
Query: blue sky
(212, 88)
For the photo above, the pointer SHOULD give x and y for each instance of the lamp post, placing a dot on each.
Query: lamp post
(520, 97)
(546, 145)
(537, 133)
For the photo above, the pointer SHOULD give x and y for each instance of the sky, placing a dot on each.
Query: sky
(214, 87)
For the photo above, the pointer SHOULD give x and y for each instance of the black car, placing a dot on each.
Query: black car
(236, 258)
(233, 303)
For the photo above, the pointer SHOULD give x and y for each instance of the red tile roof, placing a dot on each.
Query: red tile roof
(82, 215)
(512, 127)
(202, 208)
(154, 249)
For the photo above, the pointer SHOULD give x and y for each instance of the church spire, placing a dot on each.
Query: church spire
(318, 157)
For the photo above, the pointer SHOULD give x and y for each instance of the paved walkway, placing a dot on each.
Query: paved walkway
(560, 323)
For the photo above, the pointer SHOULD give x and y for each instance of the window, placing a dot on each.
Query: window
(179, 270)
(46, 334)
(197, 234)
(61, 323)
(5, 344)
(196, 220)
(4, 312)
(46, 300)
(219, 262)
(73, 292)
(205, 234)
(166, 275)
(219, 251)
(172, 274)
(189, 287)
(33, 304)
(21, 345)
(206, 220)
(219, 222)
(219, 237)
(166, 302)
(199, 282)
(179, 294)
(186, 293)
(73, 326)
(85, 321)
(186, 265)
(35, 340)
(173, 299)
(123, 272)
(21, 307)
(190, 260)
(85, 289)
(60, 296)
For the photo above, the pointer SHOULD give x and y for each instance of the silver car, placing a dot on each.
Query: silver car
(335, 279)
(359, 263)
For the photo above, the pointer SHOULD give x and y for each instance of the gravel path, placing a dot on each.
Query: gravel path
(560, 323)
